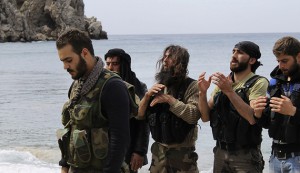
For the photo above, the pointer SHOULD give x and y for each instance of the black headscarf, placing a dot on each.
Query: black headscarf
(119, 53)
(250, 48)
(125, 70)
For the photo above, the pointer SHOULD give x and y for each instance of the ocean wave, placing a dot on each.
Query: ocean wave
(29, 161)
(12, 161)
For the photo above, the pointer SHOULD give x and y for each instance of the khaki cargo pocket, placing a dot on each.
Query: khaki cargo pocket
(184, 159)
(81, 111)
(99, 142)
(81, 146)
(65, 114)
(158, 151)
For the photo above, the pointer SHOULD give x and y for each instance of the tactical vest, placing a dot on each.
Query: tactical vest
(165, 126)
(283, 127)
(85, 137)
(228, 125)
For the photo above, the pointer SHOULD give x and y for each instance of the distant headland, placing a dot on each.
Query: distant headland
(42, 20)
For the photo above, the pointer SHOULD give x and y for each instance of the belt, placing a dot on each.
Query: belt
(231, 146)
(284, 155)
(279, 142)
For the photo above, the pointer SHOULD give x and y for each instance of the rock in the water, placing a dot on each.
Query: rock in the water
(39, 20)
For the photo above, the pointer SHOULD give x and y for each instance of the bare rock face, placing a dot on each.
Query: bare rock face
(36, 20)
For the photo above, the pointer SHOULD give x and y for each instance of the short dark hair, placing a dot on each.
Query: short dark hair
(77, 39)
(286, 45)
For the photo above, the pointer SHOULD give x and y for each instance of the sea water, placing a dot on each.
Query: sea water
(34, 87)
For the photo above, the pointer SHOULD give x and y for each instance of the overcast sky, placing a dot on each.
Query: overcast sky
(195, 16)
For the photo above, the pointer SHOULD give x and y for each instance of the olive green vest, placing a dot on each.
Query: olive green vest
(88, 128)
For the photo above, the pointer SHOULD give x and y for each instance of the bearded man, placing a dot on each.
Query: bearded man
(170, 108)
(280, 113)
(96, 134)
(230, 112)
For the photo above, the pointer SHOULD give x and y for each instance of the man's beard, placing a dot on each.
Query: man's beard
(294, 69)
(242, 66)
(167, 78)
(164, 77)
(81, 69)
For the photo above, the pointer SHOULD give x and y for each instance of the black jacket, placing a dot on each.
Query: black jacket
(282, 127)
(139, 133)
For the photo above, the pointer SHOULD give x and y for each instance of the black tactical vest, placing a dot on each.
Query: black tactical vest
(165, 126)
(228, 125)
(283, 127)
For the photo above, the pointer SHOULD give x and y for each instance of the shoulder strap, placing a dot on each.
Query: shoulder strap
(250, 82)
(133, 98)
(70, 89)
(105, 76)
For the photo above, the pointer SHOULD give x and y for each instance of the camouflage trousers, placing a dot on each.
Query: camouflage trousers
(238, 161)
(124, 169)
(83, 170)
(173, 160)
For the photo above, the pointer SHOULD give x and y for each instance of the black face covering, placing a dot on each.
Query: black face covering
(249, 48)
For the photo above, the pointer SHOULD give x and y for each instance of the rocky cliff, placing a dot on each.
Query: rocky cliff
(35, 20)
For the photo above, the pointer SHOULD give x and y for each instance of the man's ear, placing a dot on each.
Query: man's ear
(252, 60)
(84, 52)
(298, 58)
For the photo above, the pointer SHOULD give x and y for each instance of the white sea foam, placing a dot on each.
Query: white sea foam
(12, 161)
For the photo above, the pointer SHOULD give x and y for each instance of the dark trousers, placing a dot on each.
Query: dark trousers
(238, 161)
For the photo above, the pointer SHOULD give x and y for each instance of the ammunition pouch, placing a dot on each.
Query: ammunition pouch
(63, 136)
(99, 143)
(88, 148)
(166, 127)
(215, 124)
(282, 127)
(224, 119)
(154, 125)
(81, 146)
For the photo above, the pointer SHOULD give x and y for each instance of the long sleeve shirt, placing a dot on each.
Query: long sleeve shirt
(187, 109)
(115, 105)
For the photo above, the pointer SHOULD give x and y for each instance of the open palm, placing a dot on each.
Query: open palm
(203, 84)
